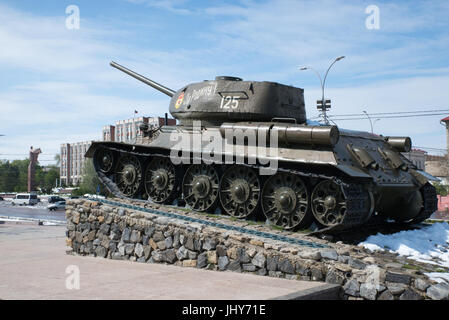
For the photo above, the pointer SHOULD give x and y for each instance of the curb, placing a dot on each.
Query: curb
(325, 292)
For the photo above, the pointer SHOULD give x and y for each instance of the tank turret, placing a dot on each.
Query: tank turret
(230, 99)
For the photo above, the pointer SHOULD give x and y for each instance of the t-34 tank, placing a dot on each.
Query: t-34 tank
(245, 146)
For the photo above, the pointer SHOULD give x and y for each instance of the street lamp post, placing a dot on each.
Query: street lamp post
(370, 121)
(324, 104)
(375, 122)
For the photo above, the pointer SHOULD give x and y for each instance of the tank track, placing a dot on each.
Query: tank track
(377, 224)
(357, 198)
(430, 203)
(356, 214)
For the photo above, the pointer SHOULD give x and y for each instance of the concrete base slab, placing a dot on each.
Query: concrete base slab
(34, 265)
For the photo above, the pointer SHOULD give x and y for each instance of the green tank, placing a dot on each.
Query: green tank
(246, 147)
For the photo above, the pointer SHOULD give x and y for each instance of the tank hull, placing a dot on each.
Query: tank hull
(290, 174)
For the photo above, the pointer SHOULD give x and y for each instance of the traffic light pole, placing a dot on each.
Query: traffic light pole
(323, 104)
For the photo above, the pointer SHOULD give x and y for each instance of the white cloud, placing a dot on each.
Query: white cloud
(60, 87)
(169, 5)
(287, 34)
(413, 94)
(47, 114)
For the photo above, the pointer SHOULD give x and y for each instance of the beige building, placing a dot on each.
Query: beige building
(438, 166)
(72, 154)
(417, 157)
(128, 130)
(72, 162)
(108, 133)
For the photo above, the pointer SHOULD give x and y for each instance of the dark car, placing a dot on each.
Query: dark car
(53, 199)
(1, 199)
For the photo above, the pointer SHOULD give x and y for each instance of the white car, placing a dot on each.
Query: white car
(87, 195)
(25, 199)
(59, 205)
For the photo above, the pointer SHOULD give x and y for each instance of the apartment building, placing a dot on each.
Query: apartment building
(417, 157)
(128, 130)
(72, 162)
(72, 154)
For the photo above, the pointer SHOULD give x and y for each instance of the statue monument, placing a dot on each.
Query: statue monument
(34, 153)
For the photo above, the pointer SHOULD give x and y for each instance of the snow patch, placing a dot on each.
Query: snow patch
(429, 244)
(438, 276)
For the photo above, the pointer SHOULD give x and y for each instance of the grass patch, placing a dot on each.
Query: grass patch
(253, 223)
(182, 209)
(275, 227)
(411, 266)
(210, 215)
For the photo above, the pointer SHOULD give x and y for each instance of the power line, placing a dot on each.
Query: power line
(376, 114)
(391, 117)
(396, 112)
(438, 149)
(26, 154)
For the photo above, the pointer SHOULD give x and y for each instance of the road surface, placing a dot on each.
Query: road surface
(34, 265)
(38, 211)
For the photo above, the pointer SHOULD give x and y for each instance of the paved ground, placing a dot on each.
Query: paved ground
(33, 266)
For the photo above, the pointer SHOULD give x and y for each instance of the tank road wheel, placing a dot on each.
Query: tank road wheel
(285, 201)
(239, 191)
(161, 180)
(104, 160)
(200, 187)
(128, 176)
(328, 203)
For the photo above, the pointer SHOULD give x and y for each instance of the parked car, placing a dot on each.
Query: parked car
(74, 197)
(59, 205)
(1, 199)
(87, 195)
(25, 199)
(53, 199)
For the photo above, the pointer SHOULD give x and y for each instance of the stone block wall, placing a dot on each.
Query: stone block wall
(103, 231)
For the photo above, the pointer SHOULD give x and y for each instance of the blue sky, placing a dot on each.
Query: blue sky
(57, 85)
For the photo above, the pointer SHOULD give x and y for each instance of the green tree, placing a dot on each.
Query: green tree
(50, 178)
(441, 189)
(57, 158)
(14, 176)
(22, 180)
(9, 176)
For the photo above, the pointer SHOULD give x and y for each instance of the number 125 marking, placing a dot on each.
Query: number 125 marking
(232, 102)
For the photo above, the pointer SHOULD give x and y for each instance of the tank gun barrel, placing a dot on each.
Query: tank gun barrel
(155, 85)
